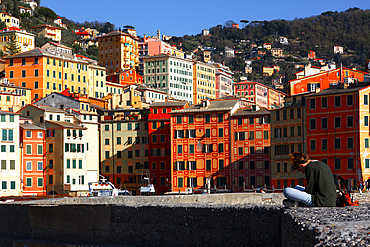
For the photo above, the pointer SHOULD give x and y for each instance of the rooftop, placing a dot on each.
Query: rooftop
(29, 126)
(214, 105)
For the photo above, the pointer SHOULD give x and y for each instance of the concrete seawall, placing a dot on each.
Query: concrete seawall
(200, 220)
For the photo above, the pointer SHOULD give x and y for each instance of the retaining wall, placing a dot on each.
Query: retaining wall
(197, 220)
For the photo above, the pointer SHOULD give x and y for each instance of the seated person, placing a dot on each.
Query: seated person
(320, 190)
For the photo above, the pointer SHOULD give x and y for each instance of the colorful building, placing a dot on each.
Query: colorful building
(288, 135)
(48, 31)
(324, 79)
(12, 97)
(9, 20)
(25, 40)
(172, 74)
(204, 78)
(224, 81)
(124, 151)
(338, 130)
(127, 77)
(151, 46)
(33, 143)
(159, 133)
(10, 175)
(250, 149)
(55, 69)
(201, 147)
(118, 51)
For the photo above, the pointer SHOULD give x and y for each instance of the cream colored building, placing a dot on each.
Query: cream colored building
(48, 31)
(204, 82)
(10, 160)
(9, 20)
(25, 40)
(12, 97)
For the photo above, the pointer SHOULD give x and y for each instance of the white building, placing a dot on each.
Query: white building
(229, 52)
(338, 49)
(173, 75)
(10, 173)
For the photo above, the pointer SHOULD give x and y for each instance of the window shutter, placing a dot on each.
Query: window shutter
(175, 134)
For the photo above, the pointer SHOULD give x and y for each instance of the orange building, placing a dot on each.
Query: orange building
(127, 77)
(160, 143)
(32, 139)
(250, 149)
(200, 142)
(323, 80)
(118, 51)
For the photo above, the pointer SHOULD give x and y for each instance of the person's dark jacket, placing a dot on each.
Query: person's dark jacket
(320, 184)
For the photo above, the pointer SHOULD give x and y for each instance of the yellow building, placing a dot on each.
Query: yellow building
(204, 82)
(53, 68)
(268, 71)
(118, 51)
(12, 97)
(10, 21)
(25, 40)
(48, 31)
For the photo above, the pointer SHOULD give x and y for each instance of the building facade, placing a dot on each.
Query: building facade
(171, 74)
(204, 78)
(118, 51)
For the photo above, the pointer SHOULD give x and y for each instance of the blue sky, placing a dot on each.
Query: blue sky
(177, 18)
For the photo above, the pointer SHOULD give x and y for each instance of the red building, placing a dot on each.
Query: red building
(159, 132)
(200, 138)
(323, 80)
(32, 139)
(127, 77)
(338, 130)
(250, 149)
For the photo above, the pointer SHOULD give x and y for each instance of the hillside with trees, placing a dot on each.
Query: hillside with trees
(320, 33)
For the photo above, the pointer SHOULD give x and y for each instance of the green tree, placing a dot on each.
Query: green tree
(46, 12)
(12, 46)
(16, 9)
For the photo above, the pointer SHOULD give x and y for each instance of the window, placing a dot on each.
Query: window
(337, 143)
(366, 99)
(337, 101)
(366, 121)
(208, 133)
(324, 123)
(28, 149)
(313, 124)
(191, 118)
(292, 131)
(179, 149)
(337, 164)
(129, 154)
(221, 132)
(207, 118)
(324, 102)
(29, 165)
(324, 144)
(221, 165)
(277, 116)
(251, 135)
(178, 119)
(220, 147)
(240, 151)
(337, 122)
(349, 121)
(220, 117)
(349, 100)
(28, 182)
(299, 113)
(40, 165)
(51, 148)
(313, 145)
(350, 143)
(191, 148)
(251, 120)
(208, 165)
(312, 104)
(79, 164)
(367, 163)
(265, 134)
(240, 121)
(180, 182)
(284, 115)
(291, 113)
(40, 182)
